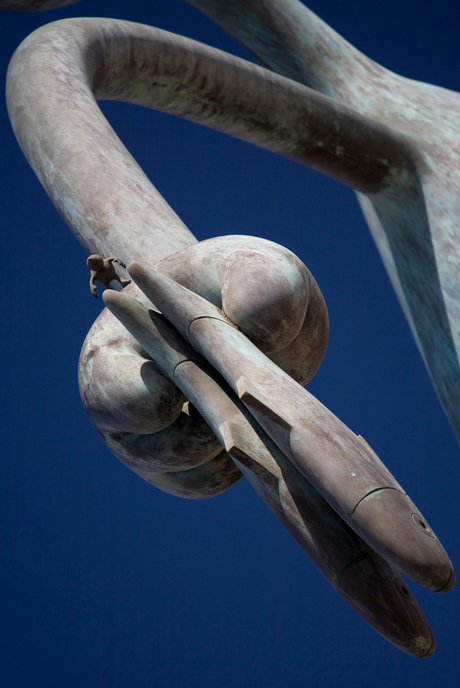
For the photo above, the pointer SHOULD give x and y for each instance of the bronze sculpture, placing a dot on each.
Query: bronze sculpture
(372, 172)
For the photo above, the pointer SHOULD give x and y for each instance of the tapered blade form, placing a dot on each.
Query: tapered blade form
(366, 581)
(179, 305)
(169, 349)
(326, 452)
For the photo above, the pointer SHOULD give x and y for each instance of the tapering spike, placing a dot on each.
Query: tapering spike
(177, 303)
(368, 583)
(340, 466)
(151, 330)
(379, 598)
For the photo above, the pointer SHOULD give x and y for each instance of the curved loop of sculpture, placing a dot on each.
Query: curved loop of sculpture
(297, 455)
(415, 230)
(409, 131)
(117, 60)
(266, 291)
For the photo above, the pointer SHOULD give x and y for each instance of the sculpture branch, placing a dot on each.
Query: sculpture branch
(262, 324)
(66, 134)
(416, 229)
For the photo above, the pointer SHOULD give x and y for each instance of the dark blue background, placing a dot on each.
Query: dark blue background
(106, 581)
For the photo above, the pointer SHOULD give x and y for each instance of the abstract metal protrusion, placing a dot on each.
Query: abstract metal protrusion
(367, 582)
(393, 140)
(343, 469)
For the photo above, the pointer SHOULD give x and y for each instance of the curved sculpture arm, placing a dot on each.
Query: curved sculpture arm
(415, 225)
(287, 37)
(110, 205)
(77, 156)
(416, 230)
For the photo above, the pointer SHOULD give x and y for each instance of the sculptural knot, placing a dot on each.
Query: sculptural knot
(267, 292)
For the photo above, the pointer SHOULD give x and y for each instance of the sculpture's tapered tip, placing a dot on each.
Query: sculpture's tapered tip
(389, 521)
(124, 308)
(177, 303)
(450, 585)
(376, 590)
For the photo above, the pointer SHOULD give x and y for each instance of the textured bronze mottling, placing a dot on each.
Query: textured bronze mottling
(396, 141)
(414, 221)
(339, 465)
(368, 583)
(263, 324)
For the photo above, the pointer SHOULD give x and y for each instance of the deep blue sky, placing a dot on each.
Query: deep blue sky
(106, 581)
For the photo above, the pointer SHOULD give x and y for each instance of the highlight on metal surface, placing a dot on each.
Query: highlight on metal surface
(392, 139)
(382, 598)
(211, 388)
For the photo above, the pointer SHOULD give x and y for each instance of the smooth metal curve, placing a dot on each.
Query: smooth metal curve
(411, 203)
(57, 72)
(389, 147)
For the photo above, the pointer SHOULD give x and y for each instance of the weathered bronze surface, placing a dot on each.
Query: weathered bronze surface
(394, 140)
(329, 455)
(368, 583)
(250, 307)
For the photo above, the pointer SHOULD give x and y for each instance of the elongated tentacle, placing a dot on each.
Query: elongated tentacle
(415, 224)
(111, 207)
